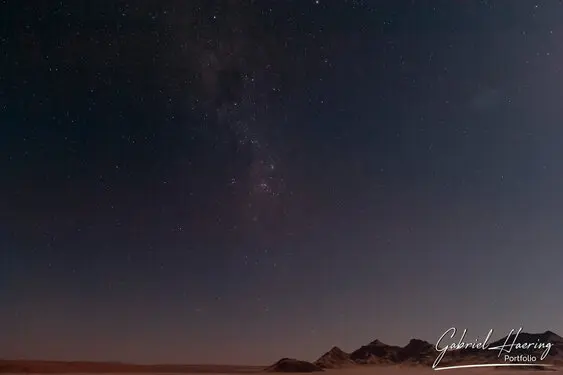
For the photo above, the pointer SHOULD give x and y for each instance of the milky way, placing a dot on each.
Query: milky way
(239, 77)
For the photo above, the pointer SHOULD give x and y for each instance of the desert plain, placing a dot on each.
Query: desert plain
(360, 370)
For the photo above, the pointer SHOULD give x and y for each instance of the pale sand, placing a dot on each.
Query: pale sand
(381, 370)
(406, 370)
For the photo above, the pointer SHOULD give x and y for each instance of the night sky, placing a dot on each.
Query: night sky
(240, 181)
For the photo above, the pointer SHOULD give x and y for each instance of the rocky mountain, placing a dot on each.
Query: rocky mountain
(376, 352)
(470, 356)
(524, 337)
(417, 352)
(555, 352)
(334, 358)
(293, 365)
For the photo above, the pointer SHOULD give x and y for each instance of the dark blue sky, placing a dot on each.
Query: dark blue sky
(237, 182)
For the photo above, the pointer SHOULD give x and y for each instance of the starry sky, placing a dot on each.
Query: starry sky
(239, 181)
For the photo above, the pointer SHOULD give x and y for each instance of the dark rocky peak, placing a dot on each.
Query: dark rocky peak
(293, 365)
(377, 343)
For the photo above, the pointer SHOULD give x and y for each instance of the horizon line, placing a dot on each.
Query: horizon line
(491, 365)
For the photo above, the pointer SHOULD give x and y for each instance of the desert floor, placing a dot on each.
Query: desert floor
(359, 370)
(403, 370)
(384, 370)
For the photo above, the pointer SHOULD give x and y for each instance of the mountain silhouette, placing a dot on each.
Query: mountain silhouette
(293, 365)
(417, 352)
(420, 352)
(524, 337)
(334, 358)
(376, 352)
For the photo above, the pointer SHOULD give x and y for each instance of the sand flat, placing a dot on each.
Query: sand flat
(358, 370)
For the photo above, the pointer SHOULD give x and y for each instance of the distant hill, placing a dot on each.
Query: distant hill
(417, 352)
(471, 356)
(334, 358)
(546, 336)
(293, 365)
(376, 352)
(555, 353)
